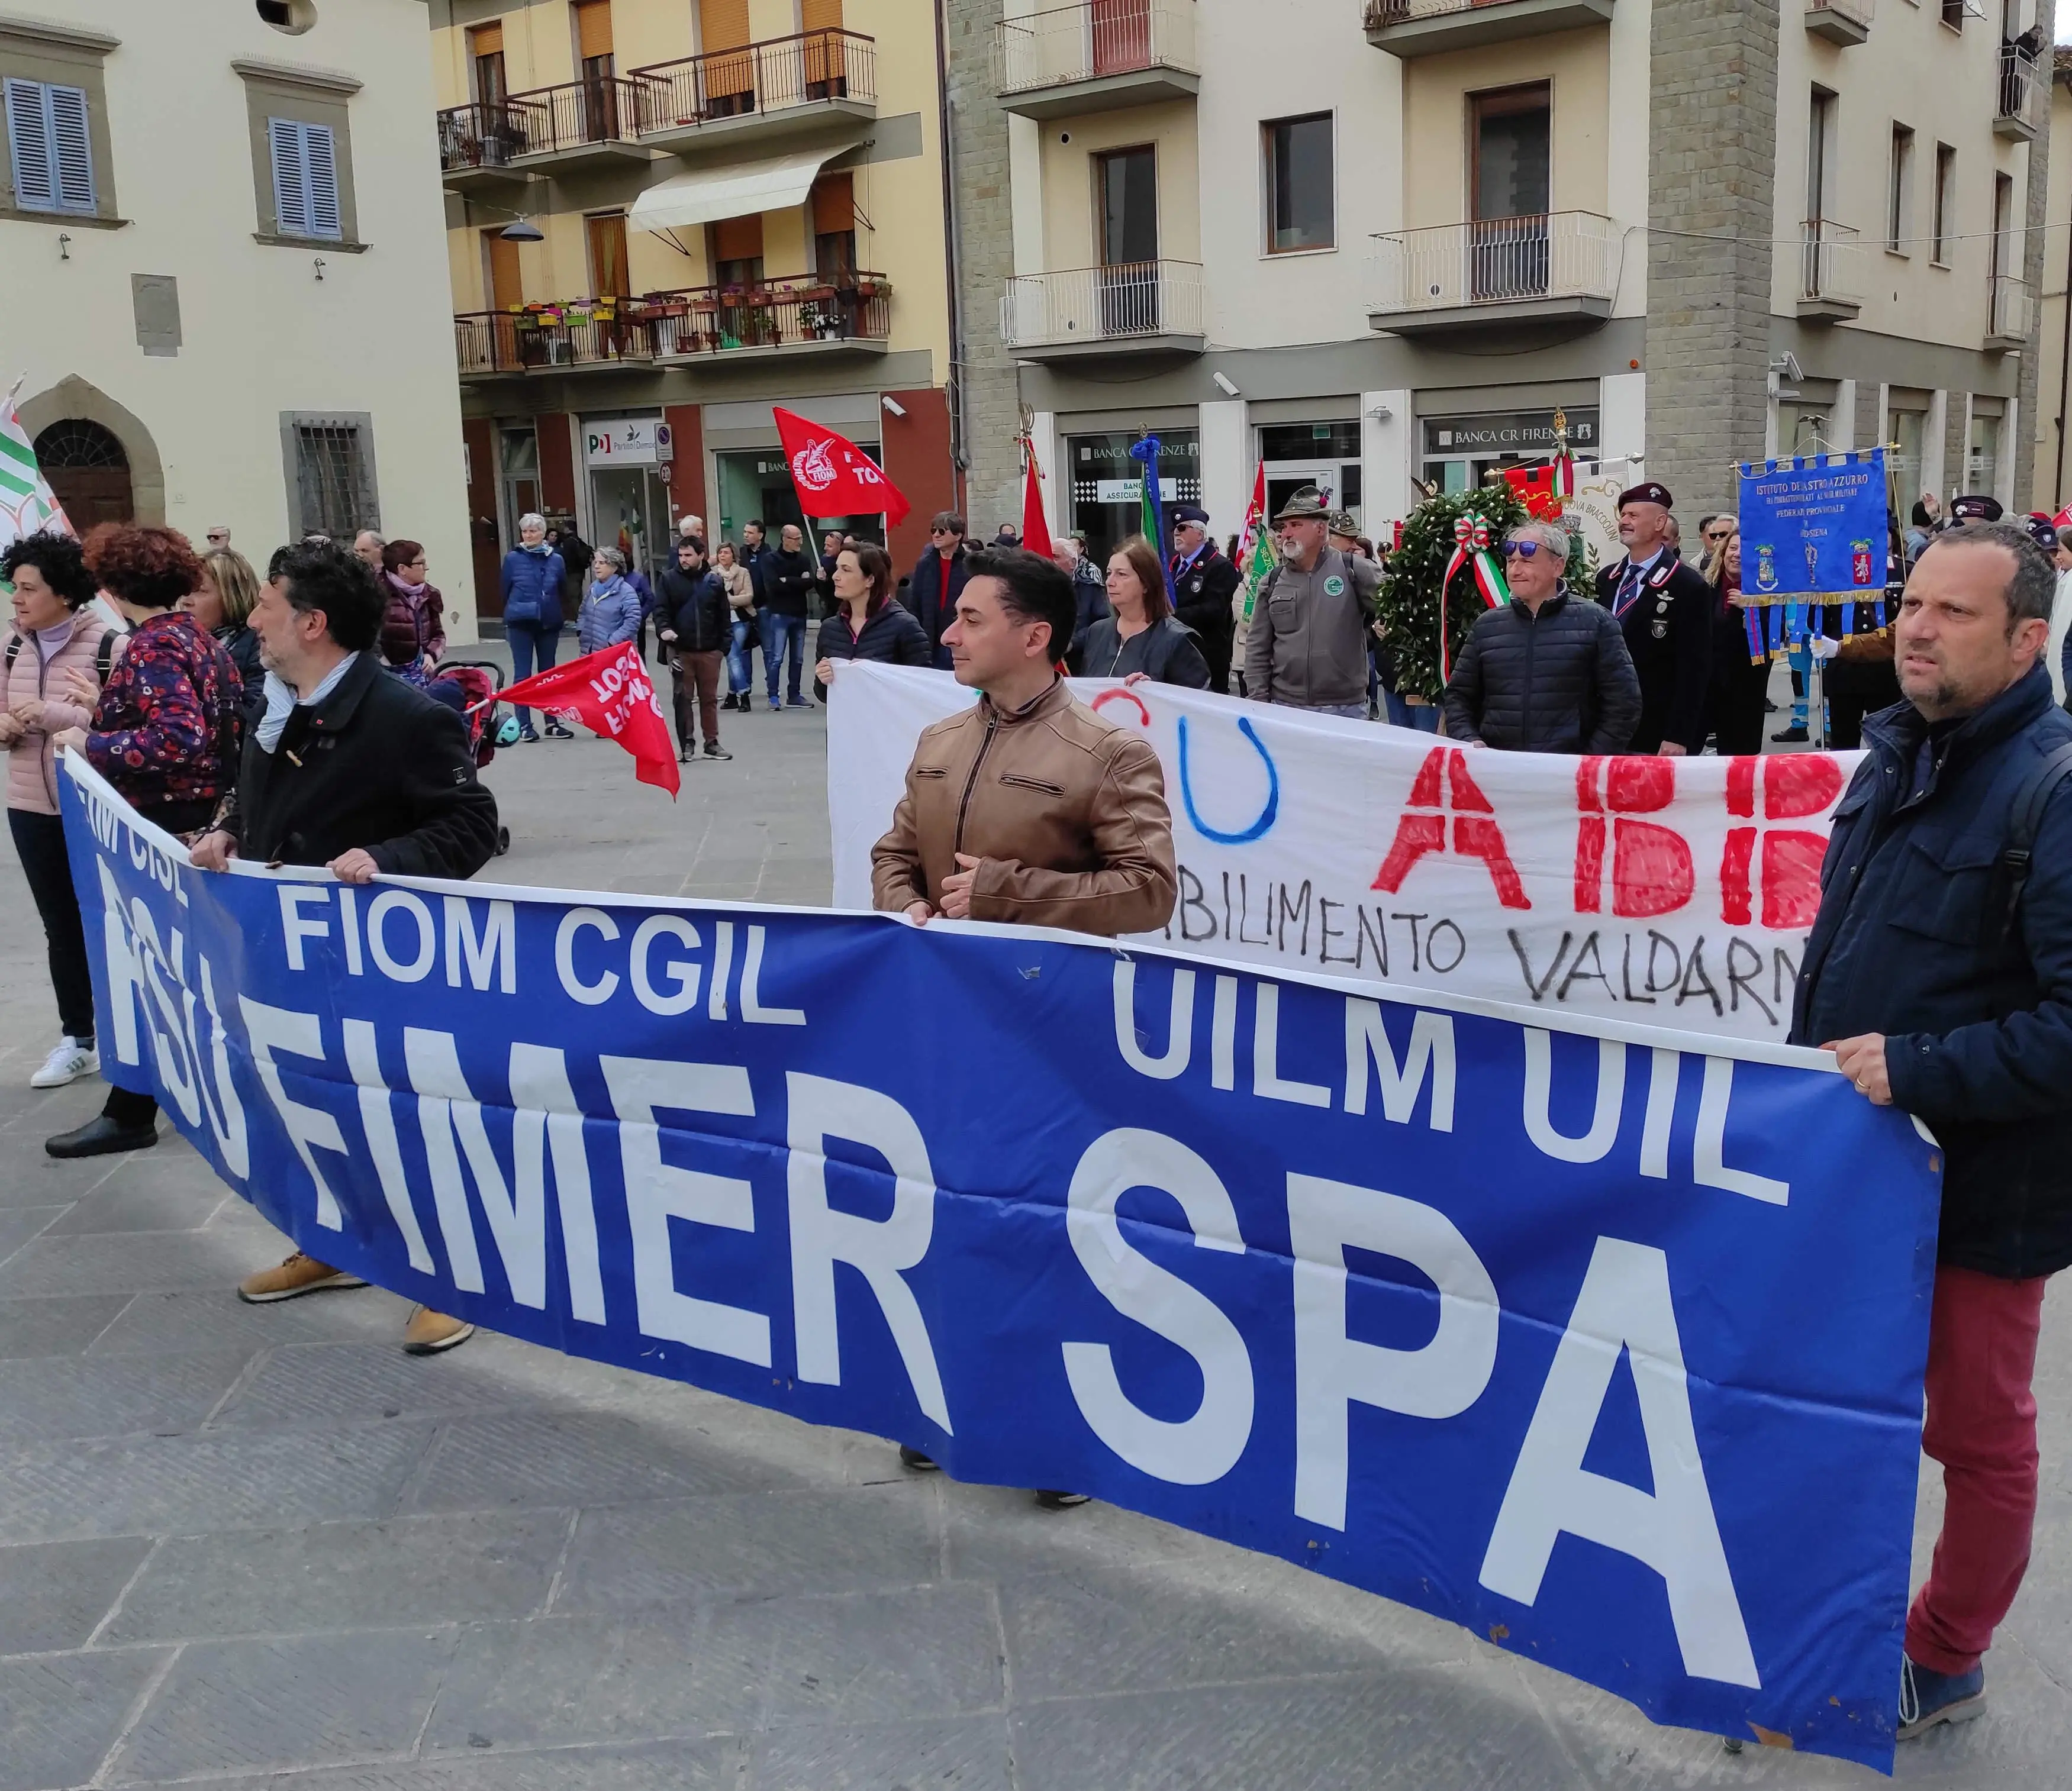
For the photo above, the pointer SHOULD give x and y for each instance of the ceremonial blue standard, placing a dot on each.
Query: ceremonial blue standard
(1607, 1344)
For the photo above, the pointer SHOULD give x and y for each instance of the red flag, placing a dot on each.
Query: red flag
(611, 693)
(834, 476)
(1035, 531)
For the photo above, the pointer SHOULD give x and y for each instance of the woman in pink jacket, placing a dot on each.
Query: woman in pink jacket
(57, 630)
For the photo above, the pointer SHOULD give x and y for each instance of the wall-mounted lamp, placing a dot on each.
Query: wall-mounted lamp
(64, 246)
(893, 407)
(1226, 385)
(1381, 413)
(319, 266)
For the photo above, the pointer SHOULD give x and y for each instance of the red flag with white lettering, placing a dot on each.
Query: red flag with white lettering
(834, 476)
(611, 693)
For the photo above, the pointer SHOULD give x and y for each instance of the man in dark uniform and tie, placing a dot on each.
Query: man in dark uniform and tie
(1665, 610)
(1204, 582)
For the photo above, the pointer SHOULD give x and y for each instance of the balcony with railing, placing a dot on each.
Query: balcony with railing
(1410, 28)
(479, 143)
(1560, 269)
(579, 124)
(1830, 272)
(783, 89)
(2012, 312)
(804, 318)
(797, 318)
(1095, 56)
(2018, 112)
(1843, 21)
(1131, 307)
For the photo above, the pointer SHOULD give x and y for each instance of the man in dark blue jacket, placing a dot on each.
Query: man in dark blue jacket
(932, 592)
(1939, 971)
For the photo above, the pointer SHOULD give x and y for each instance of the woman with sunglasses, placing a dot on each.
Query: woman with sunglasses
(1545, 672)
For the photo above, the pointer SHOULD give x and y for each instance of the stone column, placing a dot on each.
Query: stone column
(2034, 243)
(1711, 139)
(982, 258)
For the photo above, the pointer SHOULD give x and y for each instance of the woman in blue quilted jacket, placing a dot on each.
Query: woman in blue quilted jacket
(611, 611)
(532, 612)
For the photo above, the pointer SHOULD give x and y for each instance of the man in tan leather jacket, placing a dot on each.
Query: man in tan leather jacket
(1028, 808)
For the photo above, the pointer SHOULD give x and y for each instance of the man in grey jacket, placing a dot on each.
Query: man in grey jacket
(1307, 646)
(1546, 672)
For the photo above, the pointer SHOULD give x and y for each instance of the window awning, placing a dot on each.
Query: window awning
(739, 190)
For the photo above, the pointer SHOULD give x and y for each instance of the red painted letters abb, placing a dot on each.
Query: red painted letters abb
(1422, 830)
(1651, 869)
(1794, 788)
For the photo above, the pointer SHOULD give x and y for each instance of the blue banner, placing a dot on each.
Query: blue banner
(1607, 1344)
(1814, 527)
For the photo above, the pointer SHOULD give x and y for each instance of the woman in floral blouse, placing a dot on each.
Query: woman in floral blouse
(167, 733)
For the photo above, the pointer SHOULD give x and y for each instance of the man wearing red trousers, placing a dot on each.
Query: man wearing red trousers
(1939, 971)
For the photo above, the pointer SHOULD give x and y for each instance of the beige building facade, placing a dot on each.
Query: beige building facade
(2054, 454)
(220, 239)
(666, 218)
(1378, 247)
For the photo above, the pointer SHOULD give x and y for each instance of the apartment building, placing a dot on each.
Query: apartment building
(215, 220)
(1379, 247)
(667, 216)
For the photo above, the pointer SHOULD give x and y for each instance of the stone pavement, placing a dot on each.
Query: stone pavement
(242, 1545)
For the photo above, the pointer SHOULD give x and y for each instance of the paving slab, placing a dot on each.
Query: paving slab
(55, 1595)
(61, 1714)
(60, 1327)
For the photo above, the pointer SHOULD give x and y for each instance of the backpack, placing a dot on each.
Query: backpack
(104, 657)
(2027, 816)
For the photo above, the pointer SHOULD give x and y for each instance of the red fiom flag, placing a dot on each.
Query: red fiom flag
(1035, 531)
(834, 476)
(611, 693)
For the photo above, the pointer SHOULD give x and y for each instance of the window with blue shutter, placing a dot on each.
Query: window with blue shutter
(305, 179)
(49, 145)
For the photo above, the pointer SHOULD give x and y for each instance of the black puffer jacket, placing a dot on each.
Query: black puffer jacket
(693, 605)
(1558, 682)
(1169, 653)
(892, 637)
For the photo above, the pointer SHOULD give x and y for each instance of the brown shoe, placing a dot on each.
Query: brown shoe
(428, 1333)
(295, 1277)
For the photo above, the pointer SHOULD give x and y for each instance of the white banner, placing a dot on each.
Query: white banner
(1674, 892)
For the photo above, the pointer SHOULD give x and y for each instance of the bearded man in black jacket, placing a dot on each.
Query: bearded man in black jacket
(350, 769)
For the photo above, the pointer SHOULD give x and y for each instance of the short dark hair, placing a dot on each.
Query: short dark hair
(277, 560)
(947, 519)
(2033, 583)
(398, 554)
(755, 522)
(1032, 587)
(325, 579)
(60, 561)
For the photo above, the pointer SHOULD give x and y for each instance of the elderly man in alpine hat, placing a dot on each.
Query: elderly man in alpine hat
(1307, 645)
(1665, 609)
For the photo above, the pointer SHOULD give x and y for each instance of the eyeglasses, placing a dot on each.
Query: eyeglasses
(1520, 550)
(1718, 534)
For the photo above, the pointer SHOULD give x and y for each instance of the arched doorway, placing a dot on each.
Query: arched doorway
(88, 469)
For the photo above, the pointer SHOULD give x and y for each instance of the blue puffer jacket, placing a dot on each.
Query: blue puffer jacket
(532, 588)
(1914, 941)
(611, 613)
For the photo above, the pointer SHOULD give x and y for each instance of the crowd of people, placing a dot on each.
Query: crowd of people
(202, 693)
(1938, 971)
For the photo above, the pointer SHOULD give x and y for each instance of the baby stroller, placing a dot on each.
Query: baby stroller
(479, 684)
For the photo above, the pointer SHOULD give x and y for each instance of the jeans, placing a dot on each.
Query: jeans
(1981, 1426)
(39, 842)
(737, 654)
(1356, 712)
(783, 639)
(530, 645)
(1424, 716)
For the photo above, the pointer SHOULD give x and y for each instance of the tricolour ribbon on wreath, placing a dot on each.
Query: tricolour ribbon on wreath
(1471, 548)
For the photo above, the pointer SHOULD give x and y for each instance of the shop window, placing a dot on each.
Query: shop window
(1105, 491)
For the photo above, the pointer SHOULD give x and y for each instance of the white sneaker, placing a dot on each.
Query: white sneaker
(67, 1063)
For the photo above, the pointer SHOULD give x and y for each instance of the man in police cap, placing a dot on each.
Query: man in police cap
(1665, 610)
(1204, 582)
(1976, 508)
(1307, 644)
